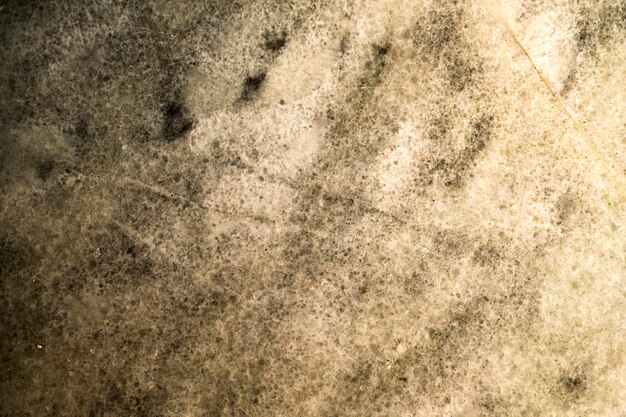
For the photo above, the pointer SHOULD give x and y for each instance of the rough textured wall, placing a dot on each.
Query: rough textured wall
(312, 208)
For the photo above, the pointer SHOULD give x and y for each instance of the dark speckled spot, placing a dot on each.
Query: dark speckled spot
(460, 72)
(440, 29)
(381, 50)
(565, 207)
(596, 27)
(176, 121)
(454, 168)
(44, 169)
(13, 256)
(81, 130)
(275, 41)
(573, 384)
(486, 255)
(252, 86)
(439, 39)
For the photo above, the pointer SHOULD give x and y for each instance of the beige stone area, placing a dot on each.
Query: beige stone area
(313, 208)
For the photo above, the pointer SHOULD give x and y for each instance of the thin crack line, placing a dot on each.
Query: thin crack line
(589, 146)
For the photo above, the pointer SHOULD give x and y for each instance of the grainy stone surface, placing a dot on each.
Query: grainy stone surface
(312, 208)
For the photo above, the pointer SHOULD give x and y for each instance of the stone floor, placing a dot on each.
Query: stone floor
(313, 208)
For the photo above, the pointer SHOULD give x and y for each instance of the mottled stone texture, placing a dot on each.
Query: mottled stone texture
(312, 208)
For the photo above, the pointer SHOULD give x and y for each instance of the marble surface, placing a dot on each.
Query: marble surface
(312, 208)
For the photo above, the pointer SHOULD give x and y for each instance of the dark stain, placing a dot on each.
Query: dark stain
(118, 260)
(486, 255)
(362, 374)
(152, 402)
(480, 134)
(81, 129)
(319, 207)
(43, 169)
(320, 210)
(492, 406)
(457, 326)
(123, 399)
(220, 301)
(476, 141)
(381, 50)
(82, 136)
(570, 81)
(460, 72)
(439, 30)
(427, 172)
(450, 242)
(224, 158)
(350, 117)
(573, 384)
(252, 86)
(596, 27)
(357, 385)
(14, 256)
(376, 66)
(275, 41)
(423, 369)
(301, 249)
(440, 360)
(344, 44)
(585, 38)
(439, 38)
(438, 128)
(565, 207)
(176, 121)
(23, 313)
(452, 167)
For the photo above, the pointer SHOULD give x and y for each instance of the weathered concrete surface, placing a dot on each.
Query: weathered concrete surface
(329, 208)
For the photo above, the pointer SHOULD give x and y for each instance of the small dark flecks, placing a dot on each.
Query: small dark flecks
(439, 128)
(584, 38)
(460, 73)
(440, 29)
(481, 131)
(252, 85)
(176, 121)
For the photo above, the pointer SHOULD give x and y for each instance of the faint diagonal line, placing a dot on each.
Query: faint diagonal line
(588, 146)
